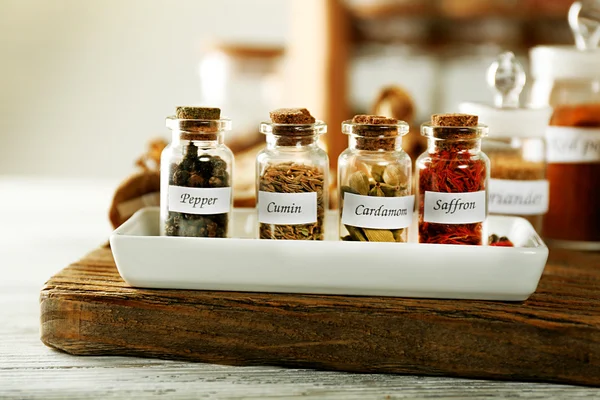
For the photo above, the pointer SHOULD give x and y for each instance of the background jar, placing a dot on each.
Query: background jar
(294, 163)
(516, 147)
(568, 80)
(196, 164)
(374, 164)
(453, 163)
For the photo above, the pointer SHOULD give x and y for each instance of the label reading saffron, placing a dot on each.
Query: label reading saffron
(199, 200)
(572, 145)
(378, 212)
(518, 197)
(454, 208)
(287, 208)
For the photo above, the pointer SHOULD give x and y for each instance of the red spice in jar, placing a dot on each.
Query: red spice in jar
(453, 163)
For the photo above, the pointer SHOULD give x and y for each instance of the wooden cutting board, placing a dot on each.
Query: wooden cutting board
(87, 309)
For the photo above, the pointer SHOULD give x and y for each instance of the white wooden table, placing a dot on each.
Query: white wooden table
(47, 224)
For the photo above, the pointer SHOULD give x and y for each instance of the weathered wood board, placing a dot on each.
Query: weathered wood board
(87, 309)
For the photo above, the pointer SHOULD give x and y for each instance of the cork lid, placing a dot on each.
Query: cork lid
(198, 121)
(293, 122)
(374, 126)
(454, 126)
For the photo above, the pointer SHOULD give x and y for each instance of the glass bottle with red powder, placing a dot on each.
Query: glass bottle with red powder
(452, 181)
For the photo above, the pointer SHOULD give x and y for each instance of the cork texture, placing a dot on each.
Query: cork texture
(457, 120)
(296, 116)
(192, 112)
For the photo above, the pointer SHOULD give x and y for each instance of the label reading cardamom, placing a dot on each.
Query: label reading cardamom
(377, 212)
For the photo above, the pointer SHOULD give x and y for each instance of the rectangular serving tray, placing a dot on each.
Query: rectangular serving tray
(244, 263)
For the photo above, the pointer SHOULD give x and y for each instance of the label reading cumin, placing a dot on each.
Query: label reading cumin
(287, 208)
(378, 212)
(455, 208)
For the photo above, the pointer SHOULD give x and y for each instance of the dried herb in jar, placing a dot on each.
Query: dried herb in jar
(292, 180)
(454, 165)
(290, 177)
(200, 168)
(374, 165)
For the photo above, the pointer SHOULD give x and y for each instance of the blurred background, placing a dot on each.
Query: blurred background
(85, 84)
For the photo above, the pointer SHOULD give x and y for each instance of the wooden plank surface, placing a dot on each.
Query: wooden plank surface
(87, 309)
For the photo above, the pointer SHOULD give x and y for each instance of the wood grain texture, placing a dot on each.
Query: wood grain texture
(87, 309)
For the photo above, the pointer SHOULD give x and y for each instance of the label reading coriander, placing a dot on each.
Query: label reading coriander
(199, 200)
(377, 212)
(287, 208)
(518, 197)
(572, 145)
(454, 208)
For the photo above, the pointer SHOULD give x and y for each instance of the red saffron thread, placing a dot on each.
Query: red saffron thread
(451, 170)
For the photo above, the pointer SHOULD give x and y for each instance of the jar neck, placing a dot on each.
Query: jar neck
(365, 143)
(285, 142)
(437, 145)
(204, 140)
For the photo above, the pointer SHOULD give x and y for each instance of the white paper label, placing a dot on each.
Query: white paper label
(572, 145)
(518, 197)
(287, 208)
(199, 200)
(454, 208)
(378, 212)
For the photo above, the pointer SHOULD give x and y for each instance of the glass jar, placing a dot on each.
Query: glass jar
(569, 80)
(374, 175)
(453, 181)
(292, 182)
(517, 151)
(195, 173)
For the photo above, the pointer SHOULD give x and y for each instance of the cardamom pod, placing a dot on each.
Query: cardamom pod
(379, 235)
(356, 233)
(377, 172)
(388, 190)
(376, 191)
(394, 175)
(359, 182)
(399, 235)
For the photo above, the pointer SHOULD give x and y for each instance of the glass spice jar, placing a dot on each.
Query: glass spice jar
(374, 176)
(452, 181)
(292, 177)
(569, 80)
(196, 170)
(515, 145)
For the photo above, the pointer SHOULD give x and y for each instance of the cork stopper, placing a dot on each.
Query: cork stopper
(374, 132)
(295, 116)
(454, 120)
(198, 123)
(454, 126)
(192, 112)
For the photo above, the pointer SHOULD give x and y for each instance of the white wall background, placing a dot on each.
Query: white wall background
(85, 83)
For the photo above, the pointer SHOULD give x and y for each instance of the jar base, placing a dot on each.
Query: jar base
(573, 245)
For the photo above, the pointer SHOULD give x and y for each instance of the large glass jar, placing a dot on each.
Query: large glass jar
(292, 182)
(196, 179)
(569, 80)
(517, 150)
(374, 176)
(452, 181)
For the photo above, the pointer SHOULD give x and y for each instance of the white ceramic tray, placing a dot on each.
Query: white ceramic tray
(329, 267)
